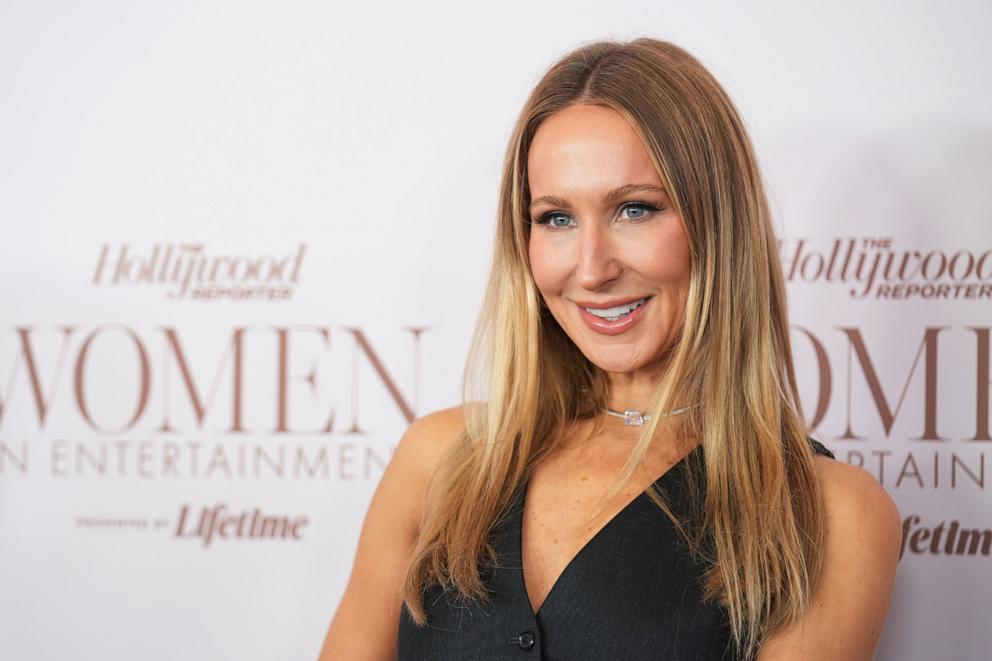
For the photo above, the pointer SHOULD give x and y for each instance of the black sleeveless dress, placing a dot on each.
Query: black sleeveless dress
(632, 592)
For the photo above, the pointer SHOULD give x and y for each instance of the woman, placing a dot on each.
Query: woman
(635, 479)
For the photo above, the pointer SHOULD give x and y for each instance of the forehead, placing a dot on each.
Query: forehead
(587, 147)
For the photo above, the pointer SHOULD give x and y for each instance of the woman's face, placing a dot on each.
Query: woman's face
(605, 238)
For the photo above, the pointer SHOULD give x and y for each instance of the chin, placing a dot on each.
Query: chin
(610, 362)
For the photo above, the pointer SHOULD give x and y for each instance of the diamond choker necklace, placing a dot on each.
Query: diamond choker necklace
(635, 418)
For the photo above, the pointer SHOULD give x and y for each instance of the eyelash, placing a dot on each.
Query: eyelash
(545, 218)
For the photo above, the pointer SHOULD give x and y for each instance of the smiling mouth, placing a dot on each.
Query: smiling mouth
(618, 312)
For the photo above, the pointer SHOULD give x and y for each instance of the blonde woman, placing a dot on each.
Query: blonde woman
(631, 477)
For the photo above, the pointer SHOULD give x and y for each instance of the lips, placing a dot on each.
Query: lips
(617, 326)
(613, 313)
(616, 302)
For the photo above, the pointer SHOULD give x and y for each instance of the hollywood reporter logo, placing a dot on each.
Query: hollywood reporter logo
(190, 271)
(877, 268)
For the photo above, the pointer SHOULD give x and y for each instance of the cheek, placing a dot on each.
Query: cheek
(667, 259)
(545, 269)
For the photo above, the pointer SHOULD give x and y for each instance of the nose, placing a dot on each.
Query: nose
(598, 262)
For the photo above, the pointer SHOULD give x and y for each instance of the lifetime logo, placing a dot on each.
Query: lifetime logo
(188, 270)
(958, 540)
(218, 523)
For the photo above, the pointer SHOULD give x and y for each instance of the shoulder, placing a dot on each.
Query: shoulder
(857, 507)
(438, 426)
(364, 625)
(421, 449)
(862, 541)
(428, 437)
(863, 524)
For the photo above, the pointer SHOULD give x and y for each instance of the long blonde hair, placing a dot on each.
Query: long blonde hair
(760, 514)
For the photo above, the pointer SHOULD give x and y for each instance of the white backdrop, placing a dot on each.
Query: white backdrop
(243, 244)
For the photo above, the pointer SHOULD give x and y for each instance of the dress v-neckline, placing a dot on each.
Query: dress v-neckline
(596, 536)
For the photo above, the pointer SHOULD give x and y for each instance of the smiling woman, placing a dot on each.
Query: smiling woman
(634, 277)
(615, 276)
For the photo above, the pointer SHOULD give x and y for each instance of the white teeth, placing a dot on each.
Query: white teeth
(612, 314)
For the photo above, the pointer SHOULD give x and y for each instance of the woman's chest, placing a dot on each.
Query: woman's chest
(567, 505)
(631, 592)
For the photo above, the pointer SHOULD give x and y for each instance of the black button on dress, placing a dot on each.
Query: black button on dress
(632, 592)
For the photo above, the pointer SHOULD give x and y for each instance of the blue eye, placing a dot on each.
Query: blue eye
(642, 210)
(635, 211)
(549, 220)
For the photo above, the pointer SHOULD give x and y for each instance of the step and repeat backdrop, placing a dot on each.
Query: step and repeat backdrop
(243, 246)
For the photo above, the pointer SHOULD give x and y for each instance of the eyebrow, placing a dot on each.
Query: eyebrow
(612, 196)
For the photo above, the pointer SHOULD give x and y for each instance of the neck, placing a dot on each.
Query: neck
(634, 390)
